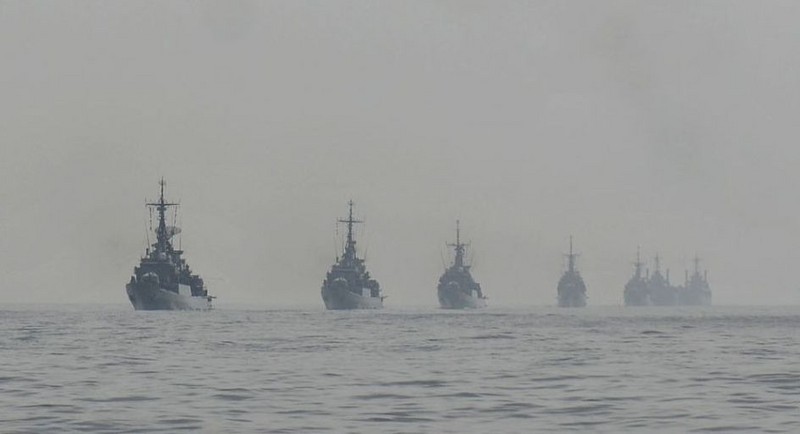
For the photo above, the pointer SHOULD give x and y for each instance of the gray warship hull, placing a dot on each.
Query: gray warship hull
(163, 279)
(696, 291)
(348, 284)
(637, 299)
(341, 298)
(695, 299)
(457, 289)
(149, 296)
(656, 290)
(454, 298)
(572, 300)
(571, 287)
(663, 294)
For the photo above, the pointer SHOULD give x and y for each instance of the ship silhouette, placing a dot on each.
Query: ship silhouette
(636, 289)
(571, 288)
(696, 290)
(656, 289)
(662, 293)
(457, 289)
(348, 284)
(163, 279)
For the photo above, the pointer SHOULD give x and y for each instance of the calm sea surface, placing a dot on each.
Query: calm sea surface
(601, 369)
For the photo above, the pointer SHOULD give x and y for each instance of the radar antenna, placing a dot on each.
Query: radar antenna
(459, 247)
(162, 244)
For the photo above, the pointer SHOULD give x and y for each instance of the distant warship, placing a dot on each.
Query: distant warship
(457, 289)
(636, 289)
(348, 285)
(656, 289)
(695, 291)
(163, 280)
(662, 293)
(571, 289)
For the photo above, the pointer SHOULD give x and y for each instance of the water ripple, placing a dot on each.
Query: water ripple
(542, 370)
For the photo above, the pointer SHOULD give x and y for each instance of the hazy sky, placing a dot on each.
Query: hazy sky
(667, 124)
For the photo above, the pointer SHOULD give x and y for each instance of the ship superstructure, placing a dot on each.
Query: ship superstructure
(636, 293)
(163, 279)
(696, 290)
(662, 293)
(457, 289)
(571, 288)
(348, 284)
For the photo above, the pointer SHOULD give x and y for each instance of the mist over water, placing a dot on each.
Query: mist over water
(670, 125)
(609, 369)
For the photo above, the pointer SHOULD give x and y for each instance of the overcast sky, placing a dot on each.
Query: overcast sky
(667, 124)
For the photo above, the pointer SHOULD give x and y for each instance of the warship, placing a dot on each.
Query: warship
(457, 289)
(661, 292)
(163, 279)
(656, 289)
(348, 284)
(636, 293)
(695, 291)
(571, 289)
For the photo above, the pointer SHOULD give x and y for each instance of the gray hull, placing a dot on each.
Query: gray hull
(696, 301)
(571, 289)
(146, 296)
(454, 298)
(340, 298)
(572, 300)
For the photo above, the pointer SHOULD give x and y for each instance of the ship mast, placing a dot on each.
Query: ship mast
(703, 276)
(459, 247)
(350, 247)
(571, 257)
(638, 264)
(162, 244)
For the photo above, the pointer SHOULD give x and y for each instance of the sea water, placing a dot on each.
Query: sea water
(599, 369)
